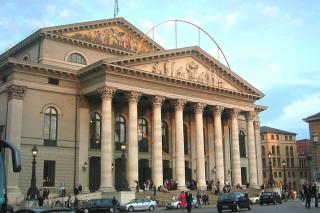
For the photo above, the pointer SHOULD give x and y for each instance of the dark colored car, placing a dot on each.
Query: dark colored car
(45, 210)
(269, 197)
(234, 201)
(95, 206)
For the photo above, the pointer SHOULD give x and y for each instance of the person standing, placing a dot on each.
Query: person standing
(154, 191)
(183, 200)
(315, 194)
(307, 192)
(198, 200)
(114, 204)
(189, 202)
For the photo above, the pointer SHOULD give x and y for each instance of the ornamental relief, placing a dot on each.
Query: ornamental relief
(188, 69)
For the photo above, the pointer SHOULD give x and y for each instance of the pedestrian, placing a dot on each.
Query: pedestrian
(198, 200)
(114, 204)
(315, 194)
(40, 198)
(76, 201)
(154, 191)
(307, 192)
(189, 202)
(183, 200)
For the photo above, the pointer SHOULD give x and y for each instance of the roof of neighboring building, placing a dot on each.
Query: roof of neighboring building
(312, 117)
(266, 129)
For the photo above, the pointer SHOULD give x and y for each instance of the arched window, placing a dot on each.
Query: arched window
(50, 126)
(278, 150)
(26, 58)
(242, 144)
(263, 151)
(95, 131)
(120, 132)
(287, 151)
(185, 137)
(291, 150)
(165, 137)
(77, 58)
(273, 151)
(143, 135)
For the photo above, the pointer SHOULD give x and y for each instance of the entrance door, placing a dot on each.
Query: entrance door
(94, 173)
(118, 173)
(167, 171)
(144, 171)
(244, 179)
(188, 173)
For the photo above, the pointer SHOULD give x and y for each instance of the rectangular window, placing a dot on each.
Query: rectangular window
(262, 137)
(275, 174)
(305, 174)
(293, 174)
(292, 162)
(274, 162)
(53, 81)
(49, 172)
(263, 162)
(264, 175)
(280, 174)
(286, 138)
(277, 137)
(301, 174)
(290, 138)
(272, 137)
(288, 163)
(279, 162)
(289, 174)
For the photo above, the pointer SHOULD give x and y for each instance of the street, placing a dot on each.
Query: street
(287, 207)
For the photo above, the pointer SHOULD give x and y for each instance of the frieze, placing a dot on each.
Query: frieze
(15, 91)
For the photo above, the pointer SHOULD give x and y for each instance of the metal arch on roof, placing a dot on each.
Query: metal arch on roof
(187, 22)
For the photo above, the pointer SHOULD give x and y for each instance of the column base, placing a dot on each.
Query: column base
(14, 195)
(107, 189)
(202, 188)
(121, 196)
(182, 188)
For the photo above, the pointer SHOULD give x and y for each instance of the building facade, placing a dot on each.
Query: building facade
(282, 147)
(304, 160)
(81, 91)
(314, 131)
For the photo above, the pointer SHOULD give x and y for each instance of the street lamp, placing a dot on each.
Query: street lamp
(33, 190)
(314, 153)
(271, 181)
(284, 175)
(124, 183)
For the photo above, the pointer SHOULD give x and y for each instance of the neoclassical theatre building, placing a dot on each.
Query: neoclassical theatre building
(81, 91)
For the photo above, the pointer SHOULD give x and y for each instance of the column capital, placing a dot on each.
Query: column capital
(235, 113)
(199, 107)
(250, 116)
(256, 124)
(83, 101)
(15, 91)
(179, 104)
(158, 100)
(134, 96)
(106, 92)
(217, 110)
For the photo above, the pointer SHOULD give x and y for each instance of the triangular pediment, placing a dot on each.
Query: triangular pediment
(115, 33)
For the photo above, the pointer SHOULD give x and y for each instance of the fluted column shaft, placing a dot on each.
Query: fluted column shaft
(201, 174)
(106, 183)
(133, 151)
(157, 173)
(253, 177)
(218, 146)
(180, 164)
(235, 150)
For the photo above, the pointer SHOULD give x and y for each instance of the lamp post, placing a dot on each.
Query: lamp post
(284, 175)
(314, 154)
(33, 190)
(124, 183)
(271, 181)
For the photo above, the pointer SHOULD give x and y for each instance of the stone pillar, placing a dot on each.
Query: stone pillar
(133, 149)
(157, 173)
(212, 167)
(83, 136)
(180, 164)
(252, 158)
(13, 134)
(235, 150)
(218, 146)
(106, 183)
(201, 174)
(258, 150)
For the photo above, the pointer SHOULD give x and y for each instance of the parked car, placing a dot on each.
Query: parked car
(176, 204)
(269, 197)
(45, 210)
(255, 199)
(234, 201)
(139, 204)
(96, 205)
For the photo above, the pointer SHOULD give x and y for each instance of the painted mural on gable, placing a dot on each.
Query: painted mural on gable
(187, 69)
(113, 35)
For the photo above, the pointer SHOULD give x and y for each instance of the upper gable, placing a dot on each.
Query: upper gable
(188, 68)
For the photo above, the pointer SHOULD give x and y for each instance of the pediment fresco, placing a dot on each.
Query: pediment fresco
(112, 36)
(187, 68)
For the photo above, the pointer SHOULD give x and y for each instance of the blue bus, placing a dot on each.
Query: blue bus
(16, 164)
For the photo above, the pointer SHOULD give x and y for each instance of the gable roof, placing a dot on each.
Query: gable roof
(266, 129)
(312, 117)
(194, 51)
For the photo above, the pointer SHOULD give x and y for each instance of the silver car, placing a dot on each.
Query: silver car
(176, 204)
(139, 204)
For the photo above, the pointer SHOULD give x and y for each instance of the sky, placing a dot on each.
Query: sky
(272, 44)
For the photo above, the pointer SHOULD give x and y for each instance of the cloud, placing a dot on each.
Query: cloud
(230, 20)
(267, 10)
(132, 4)
(66, 14)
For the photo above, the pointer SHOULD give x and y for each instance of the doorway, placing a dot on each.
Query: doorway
(94, 173)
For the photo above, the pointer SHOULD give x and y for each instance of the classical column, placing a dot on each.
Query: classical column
(201, 173)
(258, 150)
(83, 135)
(106, 183)
(133, 151)
(252, 158)
(218, 146)
(180, 165)
(235, 150)
(13, 134)
(157, 173)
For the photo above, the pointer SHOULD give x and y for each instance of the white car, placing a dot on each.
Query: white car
(139, 204)
(255, 199)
